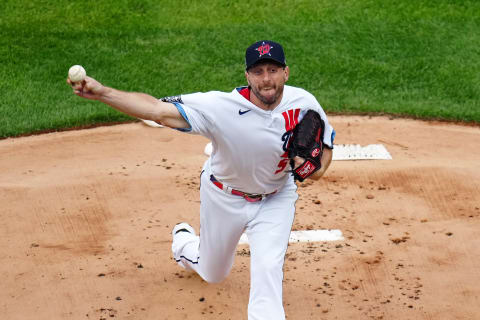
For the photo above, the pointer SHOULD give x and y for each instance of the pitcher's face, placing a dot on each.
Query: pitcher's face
(267, 81)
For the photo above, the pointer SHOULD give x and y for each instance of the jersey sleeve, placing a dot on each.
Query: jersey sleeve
(198, 109)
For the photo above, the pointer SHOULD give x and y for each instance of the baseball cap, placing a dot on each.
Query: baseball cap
(264, 50)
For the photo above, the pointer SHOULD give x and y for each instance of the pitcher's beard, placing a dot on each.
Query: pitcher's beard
(267, 100)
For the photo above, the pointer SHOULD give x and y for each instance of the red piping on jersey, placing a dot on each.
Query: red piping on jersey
(245, 92)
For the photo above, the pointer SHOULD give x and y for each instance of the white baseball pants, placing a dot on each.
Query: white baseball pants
(223, 219)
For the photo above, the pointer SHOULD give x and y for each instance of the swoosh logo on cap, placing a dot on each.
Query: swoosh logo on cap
(240, 112)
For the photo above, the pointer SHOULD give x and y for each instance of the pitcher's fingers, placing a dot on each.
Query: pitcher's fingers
(77, 86)
(71, 83)
(85, 94)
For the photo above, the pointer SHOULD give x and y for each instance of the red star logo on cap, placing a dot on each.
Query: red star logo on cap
(264, 49)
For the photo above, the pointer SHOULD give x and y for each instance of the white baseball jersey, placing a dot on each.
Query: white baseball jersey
(249, 154)
(249, 143)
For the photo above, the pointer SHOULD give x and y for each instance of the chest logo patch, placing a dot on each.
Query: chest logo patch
(240, 112)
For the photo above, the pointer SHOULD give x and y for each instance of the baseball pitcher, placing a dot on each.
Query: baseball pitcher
(265, 136)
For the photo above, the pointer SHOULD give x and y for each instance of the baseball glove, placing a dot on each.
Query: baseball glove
(307, 143)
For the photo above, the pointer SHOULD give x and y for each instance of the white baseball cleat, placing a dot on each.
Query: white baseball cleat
(182, 234)
(183, 227)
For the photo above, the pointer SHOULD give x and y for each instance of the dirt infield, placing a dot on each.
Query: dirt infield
(86, 218)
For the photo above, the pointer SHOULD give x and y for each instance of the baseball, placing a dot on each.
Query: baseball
(76, 73)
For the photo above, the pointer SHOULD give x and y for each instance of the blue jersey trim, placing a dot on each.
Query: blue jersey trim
(184, 115)
(241, 88)
(332, 137)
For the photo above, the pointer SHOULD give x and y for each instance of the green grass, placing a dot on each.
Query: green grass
(413, 58)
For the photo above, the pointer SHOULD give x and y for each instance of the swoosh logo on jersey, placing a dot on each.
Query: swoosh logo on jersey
(240, 112)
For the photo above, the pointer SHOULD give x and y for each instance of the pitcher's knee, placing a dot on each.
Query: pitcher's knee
(214, 271)
(213, 278)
